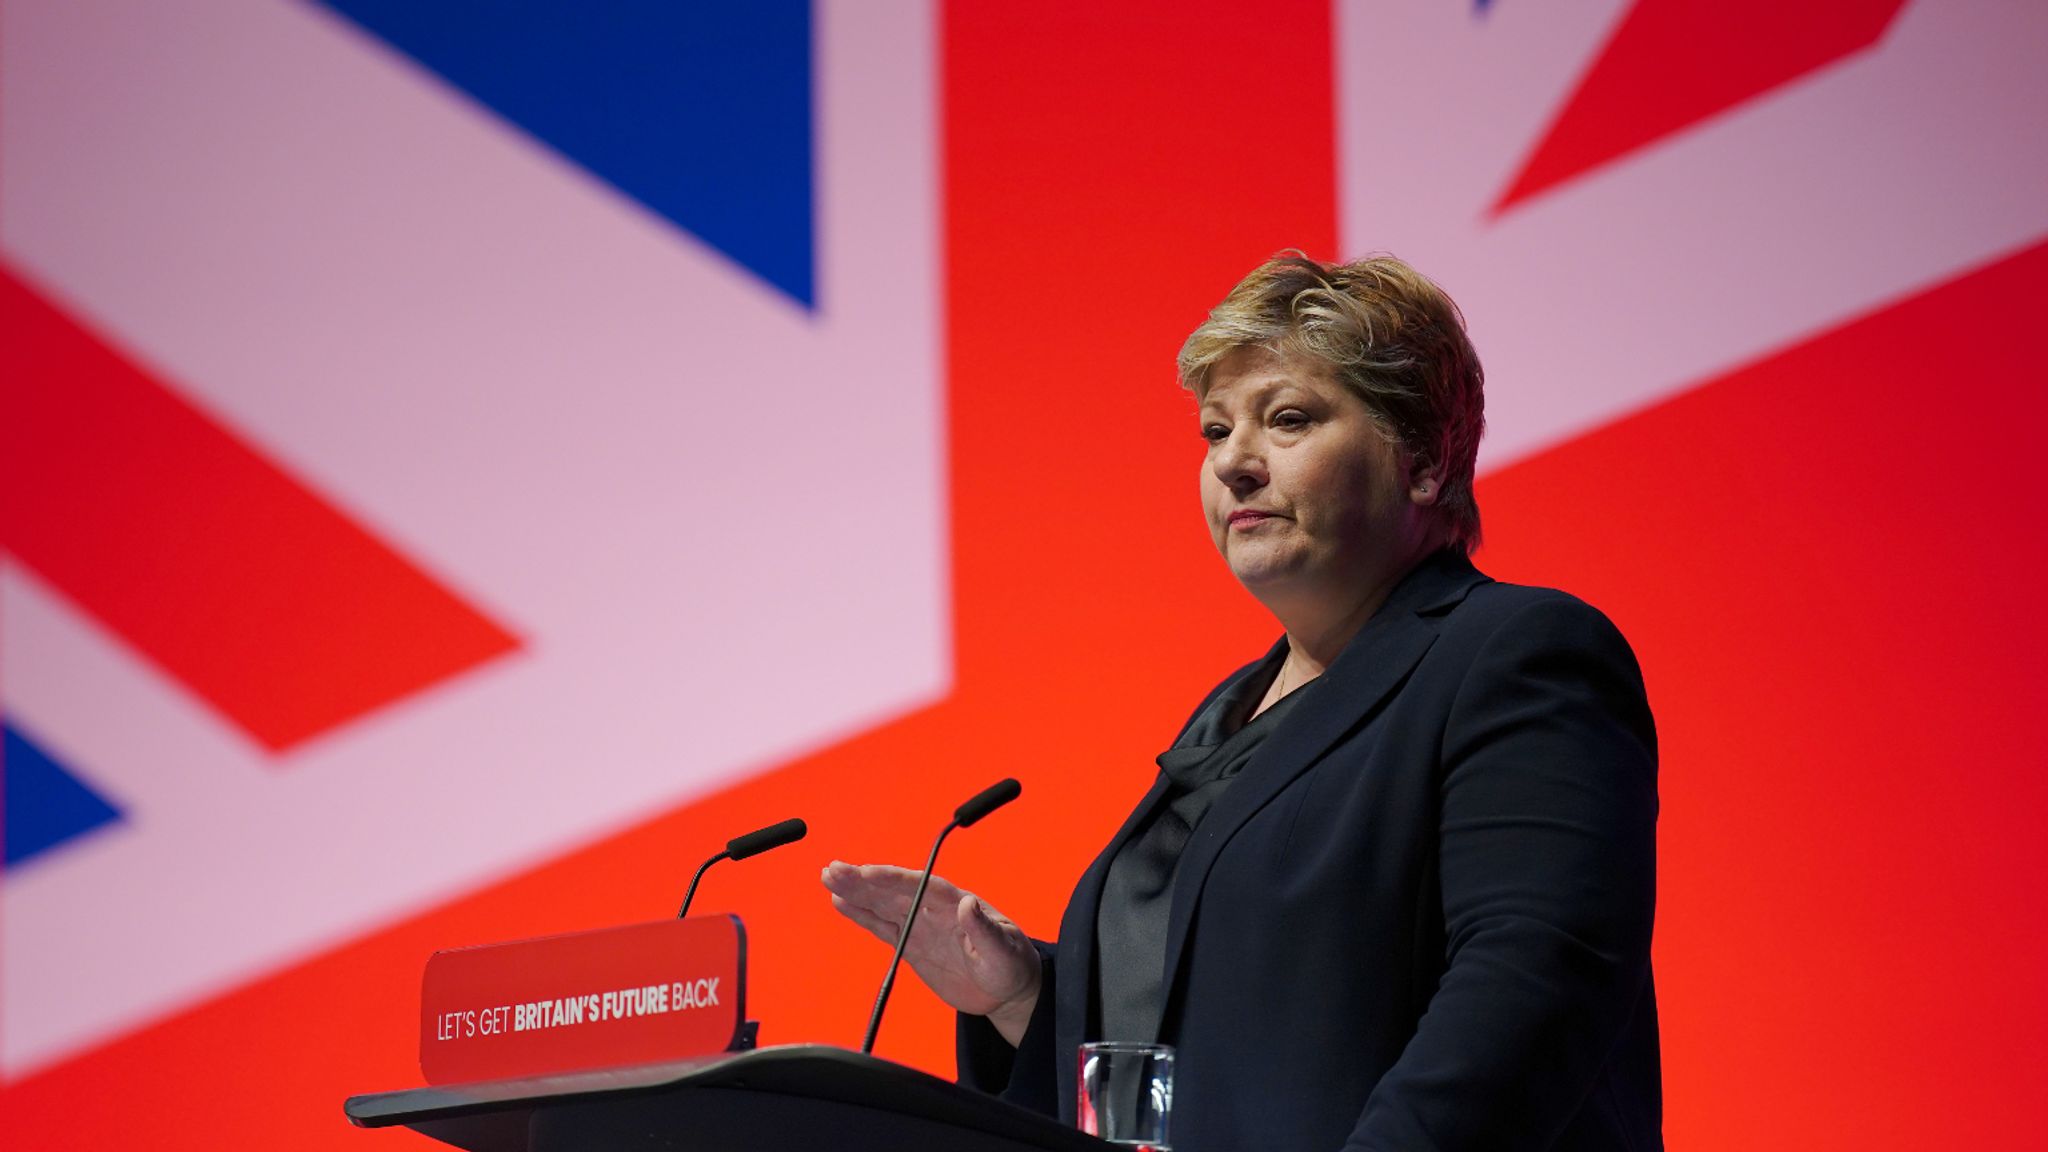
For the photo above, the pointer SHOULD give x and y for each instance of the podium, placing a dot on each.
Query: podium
(795, 1096)
(634, 1038)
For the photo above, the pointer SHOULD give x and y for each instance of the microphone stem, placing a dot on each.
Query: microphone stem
(692, 893)
(867, 1044)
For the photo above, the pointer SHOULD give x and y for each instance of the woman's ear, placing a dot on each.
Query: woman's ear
(1424, 484)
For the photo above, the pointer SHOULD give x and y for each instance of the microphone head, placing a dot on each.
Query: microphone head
(773, 836)
(987, 801)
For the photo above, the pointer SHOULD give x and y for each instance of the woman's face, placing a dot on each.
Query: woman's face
(1304, 496)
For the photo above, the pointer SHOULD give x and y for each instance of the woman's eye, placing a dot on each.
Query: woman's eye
(1215, 433)
(1290, 418)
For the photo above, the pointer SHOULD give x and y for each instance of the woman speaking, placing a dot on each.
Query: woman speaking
(1392, 888)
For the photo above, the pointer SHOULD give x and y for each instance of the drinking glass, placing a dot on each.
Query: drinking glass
(1126, 1093)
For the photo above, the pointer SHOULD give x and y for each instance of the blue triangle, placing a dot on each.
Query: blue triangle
(700, 111)
(44, 804)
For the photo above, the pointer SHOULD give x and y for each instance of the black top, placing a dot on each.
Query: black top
(1137, 894)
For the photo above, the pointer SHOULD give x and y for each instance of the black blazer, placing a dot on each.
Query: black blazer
(1420, 917)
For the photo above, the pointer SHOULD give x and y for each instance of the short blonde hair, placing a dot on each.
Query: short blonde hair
(1386, 332)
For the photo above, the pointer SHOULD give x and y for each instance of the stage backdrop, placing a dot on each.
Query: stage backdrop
(461, 462)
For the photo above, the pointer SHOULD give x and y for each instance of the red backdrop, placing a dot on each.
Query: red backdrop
(1823, 559)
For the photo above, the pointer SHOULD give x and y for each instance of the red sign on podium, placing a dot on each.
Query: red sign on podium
(638, 994)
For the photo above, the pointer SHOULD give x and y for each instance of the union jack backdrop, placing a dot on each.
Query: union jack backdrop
(460, 462)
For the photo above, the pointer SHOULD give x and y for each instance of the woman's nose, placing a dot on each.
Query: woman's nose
(1240, 463)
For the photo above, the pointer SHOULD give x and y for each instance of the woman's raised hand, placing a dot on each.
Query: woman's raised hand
(971, 955)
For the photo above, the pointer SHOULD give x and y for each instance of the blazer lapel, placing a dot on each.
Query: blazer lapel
(1370, 668)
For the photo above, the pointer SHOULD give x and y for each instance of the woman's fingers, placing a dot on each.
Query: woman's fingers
(877, 897)
(970, 954)
(882, 887)
(867, 876)
(884, 929)
(886, 890)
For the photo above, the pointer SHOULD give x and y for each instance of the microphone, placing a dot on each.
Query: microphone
(984, 802)
(752, 844)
